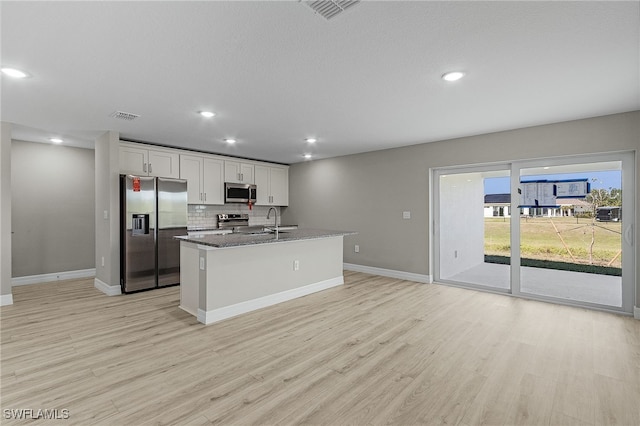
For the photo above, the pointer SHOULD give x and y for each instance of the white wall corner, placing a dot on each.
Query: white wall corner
(5, 212)
(636, 312)
(202, 316)
(109, 290)
(6, 299)
(409, 276)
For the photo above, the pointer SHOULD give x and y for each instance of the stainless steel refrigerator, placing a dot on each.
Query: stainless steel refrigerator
(152, 211)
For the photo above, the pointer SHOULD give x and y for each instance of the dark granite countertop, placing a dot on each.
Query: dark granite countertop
(236, 240)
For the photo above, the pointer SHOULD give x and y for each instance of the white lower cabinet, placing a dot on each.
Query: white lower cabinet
(205, 179)
(272, 186)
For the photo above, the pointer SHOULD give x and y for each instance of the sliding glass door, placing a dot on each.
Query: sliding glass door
(553, 229)
(473, 216)
(572, 244)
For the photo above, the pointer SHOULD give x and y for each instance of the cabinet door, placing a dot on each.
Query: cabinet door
(213, 181)
(279, 186)
(246, 173)
(164, 164)
(263, 189)
(133, 161)
(232, 171)
(191, 171)
(235, 171)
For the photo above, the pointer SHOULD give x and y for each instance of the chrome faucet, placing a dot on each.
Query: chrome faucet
(275, 211)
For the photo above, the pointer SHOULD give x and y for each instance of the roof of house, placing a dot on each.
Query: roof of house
(573, 202)
(497, 198)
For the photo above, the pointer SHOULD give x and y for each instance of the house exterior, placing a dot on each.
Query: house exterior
(499, 205)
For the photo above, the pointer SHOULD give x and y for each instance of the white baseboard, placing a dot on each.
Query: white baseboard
(636, 312)
(215, 315)
(6, 299)
(409, 276)
(109, 290)
(56, 276)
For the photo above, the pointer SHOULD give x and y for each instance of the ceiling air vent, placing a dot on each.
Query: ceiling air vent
(121, 115)
(330, 8)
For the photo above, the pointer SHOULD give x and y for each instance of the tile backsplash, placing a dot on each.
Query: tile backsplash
(201, 216)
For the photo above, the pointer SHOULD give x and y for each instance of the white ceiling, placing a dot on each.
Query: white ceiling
(275, 73)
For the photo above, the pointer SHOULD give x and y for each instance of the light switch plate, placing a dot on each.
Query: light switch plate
(406, 215)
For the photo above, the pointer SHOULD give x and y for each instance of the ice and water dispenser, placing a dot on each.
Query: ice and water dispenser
(140, 224)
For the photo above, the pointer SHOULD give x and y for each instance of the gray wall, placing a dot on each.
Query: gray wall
(368, 192)
(52, 208)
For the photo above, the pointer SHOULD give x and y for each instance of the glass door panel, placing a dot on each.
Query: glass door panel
(473, 220)
(570, 236)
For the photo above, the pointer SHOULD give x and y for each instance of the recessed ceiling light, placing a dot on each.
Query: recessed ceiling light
(207, 114)
(453, 76)
(56, 140)
(15, 73)
(311, 140)
(307, 156)
(546, 168)
(230, 140)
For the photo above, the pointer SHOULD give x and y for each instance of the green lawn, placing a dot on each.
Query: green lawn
(539, 239)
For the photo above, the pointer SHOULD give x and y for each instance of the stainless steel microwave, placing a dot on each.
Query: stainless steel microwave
(239, 192)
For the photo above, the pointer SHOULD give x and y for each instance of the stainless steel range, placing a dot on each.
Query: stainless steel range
(232, 221)
(239, 224)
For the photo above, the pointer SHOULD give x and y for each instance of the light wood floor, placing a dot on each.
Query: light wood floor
(374, 351)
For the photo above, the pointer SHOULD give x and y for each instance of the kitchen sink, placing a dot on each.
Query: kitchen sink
(254, 230)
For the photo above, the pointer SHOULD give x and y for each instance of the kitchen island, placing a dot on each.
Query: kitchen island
(222, 276)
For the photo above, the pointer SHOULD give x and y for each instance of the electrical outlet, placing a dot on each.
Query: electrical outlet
(296, 265)
(202, 263)
(102, 260)
(106, 214)
(356, 248)
(406, 215)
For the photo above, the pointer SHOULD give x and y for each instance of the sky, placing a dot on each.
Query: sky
(604, 180)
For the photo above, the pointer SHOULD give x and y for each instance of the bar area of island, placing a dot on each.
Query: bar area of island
(222, 276)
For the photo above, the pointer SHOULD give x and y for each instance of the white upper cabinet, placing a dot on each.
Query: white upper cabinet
(238, 172)
(204, 176)
(279, 186)
(148, 162)
(272, 186)
(213, 181)
(191, 171)
(134, 161)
